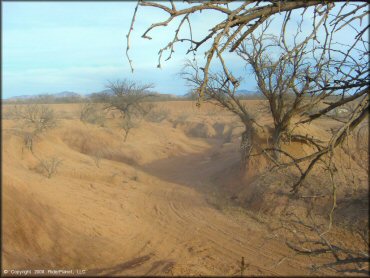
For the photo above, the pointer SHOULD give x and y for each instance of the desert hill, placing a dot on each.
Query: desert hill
(150, 205)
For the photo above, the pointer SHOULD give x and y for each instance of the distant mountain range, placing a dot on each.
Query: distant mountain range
(20, 97)
(246, 92)
(56, 95)
(69, 94)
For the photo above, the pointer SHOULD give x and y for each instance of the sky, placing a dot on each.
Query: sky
(50, 47)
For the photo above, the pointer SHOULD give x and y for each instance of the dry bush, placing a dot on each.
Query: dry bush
(93, 114)
(129, 98)
(49, 167)
(32, 119)
(35, 116)
(157, 115)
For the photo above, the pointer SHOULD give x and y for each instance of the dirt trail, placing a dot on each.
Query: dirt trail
(194, 169)
(193, 237)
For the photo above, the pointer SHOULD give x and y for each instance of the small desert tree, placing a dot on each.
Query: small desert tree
(128, 98)
(223, 92)
(288, 76)
(38, 117)
(34, 119)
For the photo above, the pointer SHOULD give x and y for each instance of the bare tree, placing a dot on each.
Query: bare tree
(34, 119)
(287, 76)
(346, 66)
(220, 89)
(38, 117)
(346, 73)
(238, 20)
(128, 98)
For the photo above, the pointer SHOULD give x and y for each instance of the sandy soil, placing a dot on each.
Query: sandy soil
(143, 211)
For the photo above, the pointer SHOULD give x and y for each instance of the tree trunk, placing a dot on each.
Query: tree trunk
(276, 141)
(281, 128)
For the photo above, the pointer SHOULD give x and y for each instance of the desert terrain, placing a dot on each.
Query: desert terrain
(168, 201)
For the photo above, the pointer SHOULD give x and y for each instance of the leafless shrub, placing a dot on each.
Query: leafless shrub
(49, 167)
(91, 113)
(36, 117)
(128, 98)
(32, 119)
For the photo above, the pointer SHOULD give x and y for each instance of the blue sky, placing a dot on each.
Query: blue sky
(49, 47)
(62, 46)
